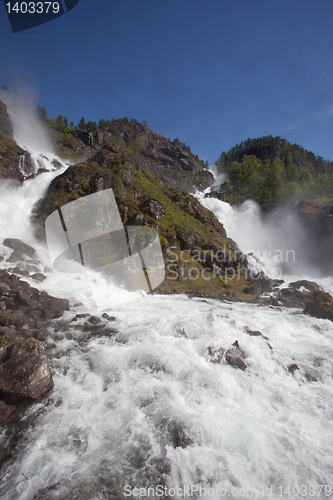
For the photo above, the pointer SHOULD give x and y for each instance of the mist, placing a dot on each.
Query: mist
(29, 132)
(275, 243)
(219, 175)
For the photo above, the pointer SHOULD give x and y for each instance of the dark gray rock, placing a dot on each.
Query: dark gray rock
(94, 320)
(292, 368)
(25, 370)
(6, 412)
(309, 285)
(81, 316)
(292, 297)
(16, 256)
(235, 357)
(319, 305)
(4, 289)
(109, 318)
(154, 208)
(178, 435)
(20, 247)
(38, 277)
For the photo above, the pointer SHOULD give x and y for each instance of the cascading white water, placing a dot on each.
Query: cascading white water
(145, 408)
(273, 245)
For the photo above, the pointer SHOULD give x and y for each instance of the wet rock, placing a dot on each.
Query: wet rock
(4, 289)
(254, 333)
(178, 435)
(156, 468)
(15, 257)
(319, 305)
(31, 268)
(53, 306)
(292, 368)
(8, 334)
(109, 318)
(311, 376)
(19, 247)
(38, 277)
(80, 316)
(264, 283)
(94, 320)
(6, 412)
(292, 297)
(19, 271)
(215, 354)
(40, 334)
(25, 370)
(235, 357)
(10, 302)
(27, 299)
(311, 286)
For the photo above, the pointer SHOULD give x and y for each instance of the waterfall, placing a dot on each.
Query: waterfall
(145, 411)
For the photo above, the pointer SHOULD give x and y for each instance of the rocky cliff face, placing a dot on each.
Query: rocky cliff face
(10, 152)
(11, 155)
(171, 161)
(197, 239)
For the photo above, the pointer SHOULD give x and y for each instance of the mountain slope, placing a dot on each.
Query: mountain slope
(270, 170)
(199, 258)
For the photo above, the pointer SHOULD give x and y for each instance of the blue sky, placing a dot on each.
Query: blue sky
(211, 72)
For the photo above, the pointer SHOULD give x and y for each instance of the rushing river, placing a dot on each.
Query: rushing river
(142, 412)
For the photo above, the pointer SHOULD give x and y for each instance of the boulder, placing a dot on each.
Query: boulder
(293, 368)
(38, 276)
(154, 208)
(292, 297)
(24, 370)
(94, 320)
(109, 318)
(235, 357)
(309, 285)
(19, 247)
(319, 305)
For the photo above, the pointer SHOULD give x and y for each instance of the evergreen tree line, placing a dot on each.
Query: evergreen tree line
(61, 123)
(270, 170)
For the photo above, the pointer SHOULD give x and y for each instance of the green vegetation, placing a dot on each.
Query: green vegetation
(187, 227)
(3, 341)
(270, 170)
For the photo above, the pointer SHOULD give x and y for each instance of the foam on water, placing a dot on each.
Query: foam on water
(143, 405)
(107, 419)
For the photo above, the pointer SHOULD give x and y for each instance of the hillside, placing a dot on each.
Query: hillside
(199, 258)
(171, 161)
(271, 171)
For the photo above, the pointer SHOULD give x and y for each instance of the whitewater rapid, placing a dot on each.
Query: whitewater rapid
(142, 412)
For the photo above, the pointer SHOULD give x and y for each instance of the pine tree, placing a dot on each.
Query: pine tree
(82, 124)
